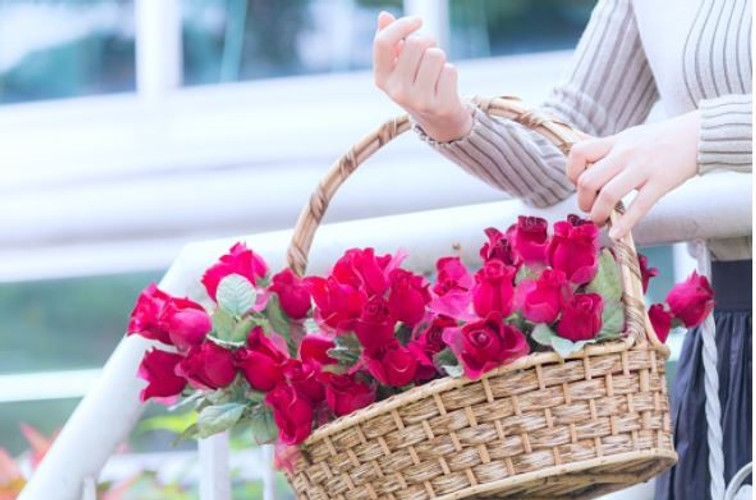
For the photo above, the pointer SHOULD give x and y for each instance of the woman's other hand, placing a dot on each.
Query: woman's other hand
(653, 159)
(414, 73)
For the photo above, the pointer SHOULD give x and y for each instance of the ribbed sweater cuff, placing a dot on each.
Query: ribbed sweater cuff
(726, 133)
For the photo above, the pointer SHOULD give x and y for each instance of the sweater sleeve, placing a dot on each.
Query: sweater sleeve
(726, 133)
(608, 88)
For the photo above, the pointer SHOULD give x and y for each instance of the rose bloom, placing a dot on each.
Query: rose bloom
(661, 320)
(452, 275)
(530, 239)
(646, 272)
(494, 290)
(574, 251)
(391, 364)
(338, 305)
(304, 378)
(208, 366)
(363, 270)
(498, 247)
(541, 300)
(158, 368)
(261, 362)
(292, 413)
(692, 300)
(293, 294)
(408, 296)
(344, 394)
(314, 348)
(581, 317)
(375, 326)
(240, 260)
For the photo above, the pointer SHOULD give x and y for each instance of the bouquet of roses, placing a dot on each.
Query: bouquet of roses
(284, 355)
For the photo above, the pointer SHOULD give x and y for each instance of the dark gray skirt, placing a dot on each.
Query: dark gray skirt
(689, 479)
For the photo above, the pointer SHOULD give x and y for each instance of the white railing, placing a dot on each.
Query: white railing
(715, 206)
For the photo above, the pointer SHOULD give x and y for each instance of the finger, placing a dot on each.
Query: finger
(647, 197)
(409, 60)
(384, 19)
(446, 87)
(584, 153)
(590, 182)
(431, 64)
(613, 192)
(386, 40)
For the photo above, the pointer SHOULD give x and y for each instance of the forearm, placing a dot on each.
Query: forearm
(726, 134)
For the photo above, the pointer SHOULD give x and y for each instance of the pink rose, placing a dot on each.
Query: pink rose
(661, 320)
(486, 344)
(494, 290)
(574, 250)
(391, 363)
(429, 343)
(292, 412)
(646, 272)
(530, 239)
(158, 369)
(361, 269)
(208, 366)
(692, 300)
(338, 305)
(240, 260)
(344, 394)
(293, 294)
(408, 296)
(261, 362)
(541, 300)
(303, 377)
(452, 276)
(376, 324)
(314, 348)
(498, 247)
(581, 317)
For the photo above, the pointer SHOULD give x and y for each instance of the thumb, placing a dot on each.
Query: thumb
(384, 19)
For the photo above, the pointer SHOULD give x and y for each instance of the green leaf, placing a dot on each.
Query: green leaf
(612, 320)
(347, 350)
(236, 294)
(175, 423)
(564, 347)
(260, 421)
(526, 273)
(214, 419)
(227, 344)
(223, 324)
(446, 362)
(608, 281)
(454, 371)
(190, 432)
(403, 334)
(280, 323)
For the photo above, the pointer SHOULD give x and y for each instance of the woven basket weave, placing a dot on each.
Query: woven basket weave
(541, 427)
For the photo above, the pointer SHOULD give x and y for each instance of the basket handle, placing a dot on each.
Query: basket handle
(560, 134)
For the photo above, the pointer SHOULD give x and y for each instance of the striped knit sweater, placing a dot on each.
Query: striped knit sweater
(690, 54)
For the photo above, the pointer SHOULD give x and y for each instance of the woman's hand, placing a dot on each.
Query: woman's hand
(414, 73)
(652, 159)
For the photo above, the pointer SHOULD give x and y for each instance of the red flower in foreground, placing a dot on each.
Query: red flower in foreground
(408, 296)
(158, 369)
(314, 348)
(486, 344)
(530, 239)
(344, 394)
(208, 366)
(498, 247)
(376, 325)
(304, 378)
(574, 251)
(293, 294)
(692, 300)
(391, 364)
(452, 276)
(581, 317)
(661, 320)
(363, 270)
(542, 299)
(338, 305)
(494, 291)
(261, 362)
(240, 260)
(292, 412)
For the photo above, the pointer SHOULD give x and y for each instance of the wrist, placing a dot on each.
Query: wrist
(448, 128)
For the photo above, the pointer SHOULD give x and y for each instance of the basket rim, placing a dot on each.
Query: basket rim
(448, 383)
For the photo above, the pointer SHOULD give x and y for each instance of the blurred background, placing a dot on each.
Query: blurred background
(129, 128)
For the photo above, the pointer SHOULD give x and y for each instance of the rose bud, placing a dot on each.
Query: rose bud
(692, 300)
(304, 378)
(646, 272)
(376, 325)
(408, 296)
(345, 395)
(494, 290)
(541, 300)
(581, 317)
(240, 260)
(361, 269)
(452, 276)
(314, 349)
(158, 369)
(293, 294)
(338, 305)
(661, 320)
(574, 250)
(530, 239)
(208, 366)
(486, 344)
(187, 323)
(145, 319)
(391, 364)
(261, 362)
(498, 247)
(292, 413)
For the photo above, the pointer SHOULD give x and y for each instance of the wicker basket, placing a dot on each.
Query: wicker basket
(541, 427)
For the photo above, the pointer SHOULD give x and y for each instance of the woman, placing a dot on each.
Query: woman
(694, 56)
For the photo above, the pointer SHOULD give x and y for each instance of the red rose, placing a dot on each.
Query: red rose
(581, 316)
(345, 395)
(530, 239)
(361, 269)
(208, 366)
(494, 290)
(376, 325)
(646, 272)
(338, 305)
(498, 247)
(314, 348)
(292, 412)
(486, 344)
(429, 343)
(574, 250)
(304, 378)
(391, 364)
(240, 260)
(692, 300)
(158, 368)
(261, 362)
(408, 296)
(187, 322)
(661, 320)
(541, 300)
(452, 276)
(145, 318)
(293, 294)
